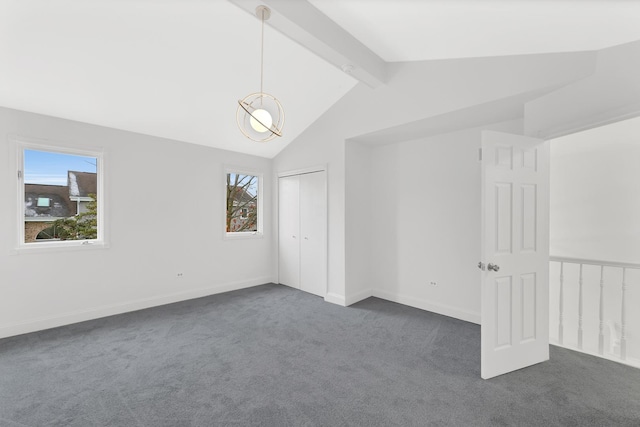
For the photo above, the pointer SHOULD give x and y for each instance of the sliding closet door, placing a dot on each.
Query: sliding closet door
(313, 231)
(289, 230)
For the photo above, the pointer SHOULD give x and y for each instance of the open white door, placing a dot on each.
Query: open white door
(515, 252)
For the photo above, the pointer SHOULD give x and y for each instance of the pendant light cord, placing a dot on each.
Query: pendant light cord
(262, 55)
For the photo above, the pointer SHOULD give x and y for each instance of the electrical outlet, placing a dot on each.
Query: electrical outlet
(179, 275)
(433, 283)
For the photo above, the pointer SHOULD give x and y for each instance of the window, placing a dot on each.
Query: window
(60, 196)
(243, 213)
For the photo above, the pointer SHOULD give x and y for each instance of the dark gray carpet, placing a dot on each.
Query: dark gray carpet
(274, 356)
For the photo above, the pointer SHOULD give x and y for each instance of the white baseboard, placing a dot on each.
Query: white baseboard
(359, 296)
(445, 310)
(34, 325)
(630, 361)
(335, 299)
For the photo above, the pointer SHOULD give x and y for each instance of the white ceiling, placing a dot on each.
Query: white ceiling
(417, 30)
(168, 68)
(176, 68)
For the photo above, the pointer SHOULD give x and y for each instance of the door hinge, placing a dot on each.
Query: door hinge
(480, 154)
(19, 174)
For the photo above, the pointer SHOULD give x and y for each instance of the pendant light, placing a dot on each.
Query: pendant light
(260, 116)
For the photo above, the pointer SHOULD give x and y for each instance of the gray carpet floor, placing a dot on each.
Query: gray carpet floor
(274, 356)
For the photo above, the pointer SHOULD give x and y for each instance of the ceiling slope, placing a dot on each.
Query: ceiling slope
(168, 68)
(176, 68)
(419, 30)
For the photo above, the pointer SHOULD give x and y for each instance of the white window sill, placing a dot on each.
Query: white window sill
(69, 245)
(243, 235)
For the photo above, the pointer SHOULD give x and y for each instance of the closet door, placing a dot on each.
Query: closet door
(313, 232)
(288, 231)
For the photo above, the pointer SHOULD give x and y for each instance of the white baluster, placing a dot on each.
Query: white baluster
(580, 310)
(601, 336)
(561, 321)
(623, 328)
(620, 342)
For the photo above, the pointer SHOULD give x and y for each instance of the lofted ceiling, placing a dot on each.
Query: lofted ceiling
(167, 68)
(176, 68)
(419, 30)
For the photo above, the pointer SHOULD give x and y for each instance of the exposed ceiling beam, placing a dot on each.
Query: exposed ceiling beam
(305, 24)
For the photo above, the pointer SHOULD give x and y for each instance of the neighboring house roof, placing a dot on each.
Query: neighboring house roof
(55, 196)
(81, 184)
(240, 195)
(46, 202)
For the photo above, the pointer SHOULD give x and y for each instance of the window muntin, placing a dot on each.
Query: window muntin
(243, 215)
(60, 196)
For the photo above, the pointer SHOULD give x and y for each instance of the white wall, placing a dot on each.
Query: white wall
(595, 211)
(414, 91)
(426, 222)
(139, 268)
(595, 193)
(360, 231)
(164, 209)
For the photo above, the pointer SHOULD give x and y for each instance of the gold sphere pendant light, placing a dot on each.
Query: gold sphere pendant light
(260, 116)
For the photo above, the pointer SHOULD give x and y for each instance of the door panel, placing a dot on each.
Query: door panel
(515, 230)
(313, 231)
(288, 231)
(503, 312)
(528, 292)
(529, 217)
(504, 209)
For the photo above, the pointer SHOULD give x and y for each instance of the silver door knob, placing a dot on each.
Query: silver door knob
(493, 267)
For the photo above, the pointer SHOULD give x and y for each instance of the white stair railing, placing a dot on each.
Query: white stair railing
(601, 313)
(580, 262)
(580, 303)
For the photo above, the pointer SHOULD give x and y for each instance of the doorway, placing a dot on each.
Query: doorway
(595, 241)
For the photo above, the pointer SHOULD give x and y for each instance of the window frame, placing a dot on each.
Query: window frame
(233, 235)
(20, 145)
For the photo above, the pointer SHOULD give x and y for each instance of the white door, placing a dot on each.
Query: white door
(515, 252)
(313, 231)
(288, 231)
